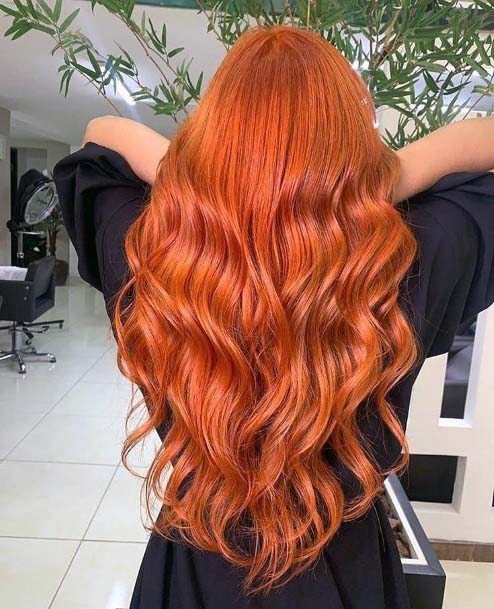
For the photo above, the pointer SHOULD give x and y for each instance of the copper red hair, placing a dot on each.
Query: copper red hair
(262, 309)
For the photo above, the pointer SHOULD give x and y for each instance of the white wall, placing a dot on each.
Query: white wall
(30, 158)
(470, 515)
(50, 150)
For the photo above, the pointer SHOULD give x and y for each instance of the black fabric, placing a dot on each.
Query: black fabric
(100, 196)
(451, 280)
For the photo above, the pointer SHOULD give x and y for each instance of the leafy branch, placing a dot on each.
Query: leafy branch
(174, 89)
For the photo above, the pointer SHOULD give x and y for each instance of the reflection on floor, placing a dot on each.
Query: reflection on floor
(71, 534)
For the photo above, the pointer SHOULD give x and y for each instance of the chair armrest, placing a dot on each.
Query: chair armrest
(13, 285)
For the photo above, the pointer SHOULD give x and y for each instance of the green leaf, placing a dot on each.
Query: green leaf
(199, 84)
(430, 82)
(79, 48)
(476, 66)
(86, 71)
(483, 52)
(94, 62)
(30, 8)
(68, 21)
(57, 10)
(42, 28)
(174, 52)
(41, 17)
(67, 81)
(9, 11)
(452, 90)
(163, 35)
(64, 77)
(431, 66)
(47, 10)
(18, 24)
(129, 7)
(125, 70)
(143, 22)
(154, 37)
(21, 8)
(22, 31)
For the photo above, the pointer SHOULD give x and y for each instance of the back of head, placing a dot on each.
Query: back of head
(264, 305)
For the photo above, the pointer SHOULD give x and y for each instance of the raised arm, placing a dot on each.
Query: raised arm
(140, 146)
(466, 145)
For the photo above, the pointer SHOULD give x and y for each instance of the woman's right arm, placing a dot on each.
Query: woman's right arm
(466, 145)
(140, 146)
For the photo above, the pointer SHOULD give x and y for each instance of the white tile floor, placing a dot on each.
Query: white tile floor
(70, 525)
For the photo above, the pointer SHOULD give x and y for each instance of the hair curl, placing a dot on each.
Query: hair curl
(262, 308)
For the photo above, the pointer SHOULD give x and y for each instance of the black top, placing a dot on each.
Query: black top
(451, 280)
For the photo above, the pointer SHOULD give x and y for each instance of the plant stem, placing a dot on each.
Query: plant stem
(288, 9)
(370, 16)
(212, 23)
(145, 47)
(472, 107)
(387, 46)
(58, 39)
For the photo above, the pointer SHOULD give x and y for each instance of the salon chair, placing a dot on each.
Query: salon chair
(22, 303)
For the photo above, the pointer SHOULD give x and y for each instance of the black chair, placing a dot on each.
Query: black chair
(22, 303)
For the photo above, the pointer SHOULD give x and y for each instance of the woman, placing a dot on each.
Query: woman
(274, 295)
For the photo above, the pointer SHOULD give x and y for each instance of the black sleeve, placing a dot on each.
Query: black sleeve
(100, 197)
(452, 279)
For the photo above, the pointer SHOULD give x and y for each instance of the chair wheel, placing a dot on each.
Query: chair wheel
(53, 359)
(60, 325)
(22, 370)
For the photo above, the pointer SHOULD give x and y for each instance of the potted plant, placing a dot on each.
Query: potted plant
(418, 58)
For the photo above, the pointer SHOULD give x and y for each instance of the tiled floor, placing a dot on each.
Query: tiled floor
(71, 535)
(70, 524)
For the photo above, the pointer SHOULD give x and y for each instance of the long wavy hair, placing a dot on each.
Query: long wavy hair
(262, 307)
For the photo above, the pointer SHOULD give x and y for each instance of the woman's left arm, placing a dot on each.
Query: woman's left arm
(461, 146)
(140, 146)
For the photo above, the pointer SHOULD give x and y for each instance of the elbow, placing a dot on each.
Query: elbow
(96, 128)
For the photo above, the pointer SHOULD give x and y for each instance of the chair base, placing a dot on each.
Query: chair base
(20, 353)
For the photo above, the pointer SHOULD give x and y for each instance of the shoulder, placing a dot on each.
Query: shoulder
(100, 197)
(459, 189)
(451, 278)
(142, 147)
(96, 166)
(95, 184)
(452, 211)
